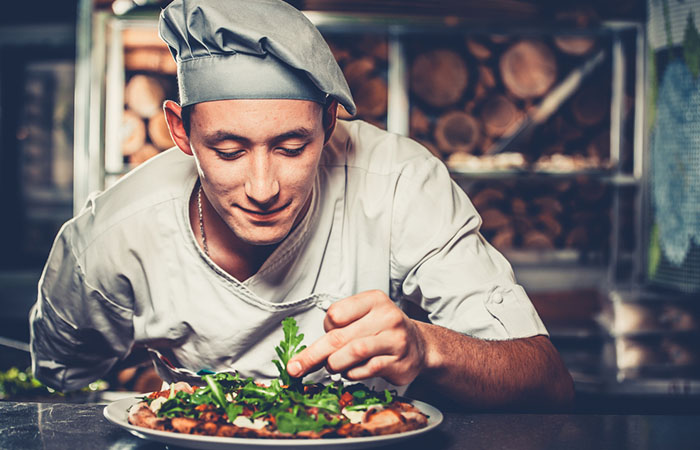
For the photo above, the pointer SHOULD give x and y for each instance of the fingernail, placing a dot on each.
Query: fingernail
(294, 368)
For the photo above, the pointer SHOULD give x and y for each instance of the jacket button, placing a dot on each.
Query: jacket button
(497, 298)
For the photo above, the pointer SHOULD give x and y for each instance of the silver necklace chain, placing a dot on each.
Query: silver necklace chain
(201, 221)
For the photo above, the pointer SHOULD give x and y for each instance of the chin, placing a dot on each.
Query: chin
(266, 237)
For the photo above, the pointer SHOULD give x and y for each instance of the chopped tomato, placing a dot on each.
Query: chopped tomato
(156, 394)
(345, 399)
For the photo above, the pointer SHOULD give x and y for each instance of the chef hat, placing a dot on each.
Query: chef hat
(243, 49)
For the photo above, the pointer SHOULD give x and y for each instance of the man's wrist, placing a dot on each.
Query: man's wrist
(433, 358)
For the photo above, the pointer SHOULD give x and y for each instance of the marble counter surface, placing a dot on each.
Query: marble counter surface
(82, 426)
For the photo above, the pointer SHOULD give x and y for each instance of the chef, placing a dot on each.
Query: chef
(270, 207)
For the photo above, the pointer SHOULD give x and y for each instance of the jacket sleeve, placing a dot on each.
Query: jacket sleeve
(77, 332)
(441, 261)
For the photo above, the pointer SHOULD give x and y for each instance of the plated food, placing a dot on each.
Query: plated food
(229, 405)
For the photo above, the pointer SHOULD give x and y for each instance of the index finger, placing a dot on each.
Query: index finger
(338, 324)
(348, 310)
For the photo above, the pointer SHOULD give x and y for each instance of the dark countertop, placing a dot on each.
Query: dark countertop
(82, 426)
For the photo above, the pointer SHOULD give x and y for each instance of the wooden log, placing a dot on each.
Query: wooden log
(439, 77)
(549, 225)
(493, 219)
(469, 107)
(518, 206)
(371, 97)
(574, 45)
(498, 115)
(158, 131)
(486, 77)
(590, 105)
(456, 131)
(138, 37)
(142, 155)
(504, 238)
(528, 69)
(133, 132)
(534, 239)
(150, 59)
(359, 70)
(486, 198)
(486, 82)
(419, 122)
(477, 49)
(548, 205)
(144, 95)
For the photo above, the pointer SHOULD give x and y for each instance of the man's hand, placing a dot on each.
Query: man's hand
(367, 335)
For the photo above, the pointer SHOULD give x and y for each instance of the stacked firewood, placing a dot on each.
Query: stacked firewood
(544, 215)
(363, 60)
(469, 93)
(150, 74)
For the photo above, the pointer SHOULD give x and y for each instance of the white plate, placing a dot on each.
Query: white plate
(117, 413)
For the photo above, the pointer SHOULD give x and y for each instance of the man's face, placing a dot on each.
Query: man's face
(257, 161)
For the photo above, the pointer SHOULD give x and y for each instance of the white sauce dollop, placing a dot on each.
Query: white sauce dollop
(244, 422)
(359, 416)
(157, 403)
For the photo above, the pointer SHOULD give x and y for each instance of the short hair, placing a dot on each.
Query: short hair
(186, 115)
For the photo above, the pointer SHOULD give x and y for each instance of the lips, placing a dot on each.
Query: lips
(263, 215)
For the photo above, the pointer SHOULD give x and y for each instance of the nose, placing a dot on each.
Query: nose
(262, 187)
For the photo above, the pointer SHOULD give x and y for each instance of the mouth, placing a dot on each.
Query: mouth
(263, 215)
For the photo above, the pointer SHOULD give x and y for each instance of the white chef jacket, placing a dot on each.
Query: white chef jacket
(385, 215)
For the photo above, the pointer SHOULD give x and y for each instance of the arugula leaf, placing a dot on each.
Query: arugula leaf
(298, 420)
(289, 347)
(219, 398)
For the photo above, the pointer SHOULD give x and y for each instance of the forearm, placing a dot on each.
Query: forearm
(526, 373)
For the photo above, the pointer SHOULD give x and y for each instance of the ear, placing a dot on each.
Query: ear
(173, 115)
(330, 115)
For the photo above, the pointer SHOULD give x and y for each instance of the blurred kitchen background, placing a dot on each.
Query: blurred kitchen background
(574, 126)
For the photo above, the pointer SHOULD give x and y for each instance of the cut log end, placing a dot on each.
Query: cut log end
(144, 95)
(133, 132)
(528, 69)
(456, 131)
(371, 97)
(498, 115)
(439, 77)
(574, 45)
(158, 131)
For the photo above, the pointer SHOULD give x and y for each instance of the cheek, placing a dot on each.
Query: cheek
(299, 177)
(219, 176)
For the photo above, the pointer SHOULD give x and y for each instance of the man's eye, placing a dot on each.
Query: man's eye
(293, 151)
(228, 155)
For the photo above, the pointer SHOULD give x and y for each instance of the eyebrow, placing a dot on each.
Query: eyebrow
(295, 133)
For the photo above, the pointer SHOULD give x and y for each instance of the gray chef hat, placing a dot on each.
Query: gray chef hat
(243, 49)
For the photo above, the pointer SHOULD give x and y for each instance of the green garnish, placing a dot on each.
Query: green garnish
(289, 347)
(298, 408)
